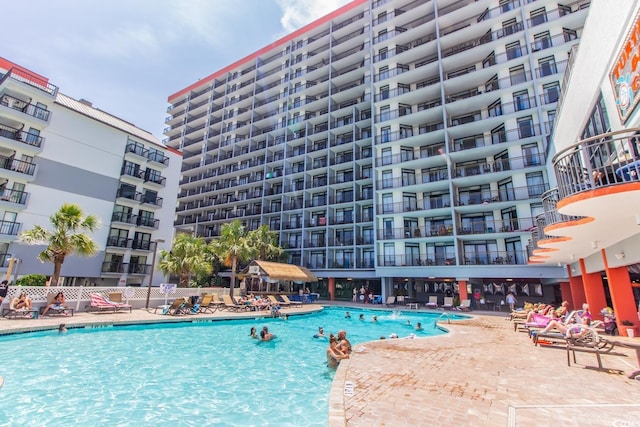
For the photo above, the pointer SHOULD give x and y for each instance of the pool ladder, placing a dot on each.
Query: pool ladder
(435, 324)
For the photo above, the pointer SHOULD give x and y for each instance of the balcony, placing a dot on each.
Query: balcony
(9, 228)
(135, 268)
(127, 194)
(19, 166)
(24, 138)
(117, 242)
(25, 107)
(25, 77)
(496, 258)
(152, 200)
(141, 245)
(124, 218)
(116, 267)
(148, 222)
(13, 196)
(416, 260)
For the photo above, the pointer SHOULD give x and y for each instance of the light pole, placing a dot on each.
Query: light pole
(153, 267)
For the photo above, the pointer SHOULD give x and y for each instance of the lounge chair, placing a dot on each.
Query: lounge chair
(287, 301)
(206, 305)
(176, 307)
(390, 301)
(275, 301)
(232, 306)
(448, 303)
(465, 305)
(13, 312)
(217, 302)
(433, 302)
(400, 300)
(55, 311)
(101, 303)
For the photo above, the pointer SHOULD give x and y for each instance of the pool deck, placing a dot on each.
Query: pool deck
(480, 374)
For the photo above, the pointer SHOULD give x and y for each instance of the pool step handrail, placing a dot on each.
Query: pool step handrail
(435, 324)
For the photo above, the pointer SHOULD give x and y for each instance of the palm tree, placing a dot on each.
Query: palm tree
(188, 255)
(67, 237)
(265, 243)
(232, 247)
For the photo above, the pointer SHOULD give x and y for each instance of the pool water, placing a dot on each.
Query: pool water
(209, 373)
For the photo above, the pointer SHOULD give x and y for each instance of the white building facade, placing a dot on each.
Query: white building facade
(61, 150)
(395, 145)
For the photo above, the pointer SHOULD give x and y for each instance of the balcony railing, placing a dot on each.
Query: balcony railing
(15, 165)
(13, 196)
(25, 107)
(114, 267)
(138, 268)
(495, 258)
(20, 135)
(604, 160)
(415, 260)
(10, 228)
(31, 79)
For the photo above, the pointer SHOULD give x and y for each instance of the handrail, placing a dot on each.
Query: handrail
(435, 324)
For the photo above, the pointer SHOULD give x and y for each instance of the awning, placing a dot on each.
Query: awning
(279, 271)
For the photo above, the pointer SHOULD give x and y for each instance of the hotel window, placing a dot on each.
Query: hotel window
(404, 109)
(382, 17)
(491, 59)
(498, 135)
(366, 172)
(507, 5)
(382, 53)
(569, 34)
(274, 223)
(509, 27)
(521, 100)
(536, 209)
(387, 179)
(402, 88)
(506, 191)
(412, 253)
(551, 92)
(409, 202)
(538, 16)
(406, 154)
(495, 109)
(382, 35)
(406, 131)
(408, 177)
(387, 203)
(384, 73)
(541, 41)
(319, 199)
(547, 66)
(535, 184)
(387, 158)
(551, 116)
(385, 134)
(517, 75)
(319, 180)
(385, 113)
(389, 254)
(525, 127)
(513, 50)
(384, 92)
(531, 154)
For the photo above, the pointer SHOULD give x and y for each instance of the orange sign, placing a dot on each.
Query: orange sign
(625, 74)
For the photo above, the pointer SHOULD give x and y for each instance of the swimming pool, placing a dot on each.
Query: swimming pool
(184, 374)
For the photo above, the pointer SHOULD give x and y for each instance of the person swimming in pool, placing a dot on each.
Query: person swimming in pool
(253, 333)
(265, 335)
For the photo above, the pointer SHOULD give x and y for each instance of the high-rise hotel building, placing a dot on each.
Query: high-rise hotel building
(395, 144)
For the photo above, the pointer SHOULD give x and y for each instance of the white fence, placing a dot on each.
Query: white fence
(77, 297)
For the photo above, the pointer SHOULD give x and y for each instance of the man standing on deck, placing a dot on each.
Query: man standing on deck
(4, 288)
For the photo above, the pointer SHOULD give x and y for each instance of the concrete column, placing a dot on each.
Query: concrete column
(462, 290)
(624, 305)
(576, 296)
(565, 291)
(332, 288)
(594, 291)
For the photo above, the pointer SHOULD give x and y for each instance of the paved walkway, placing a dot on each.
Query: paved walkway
(480, 374)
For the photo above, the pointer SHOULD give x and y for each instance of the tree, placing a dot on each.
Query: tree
(67, 237)
(265, 242)
(233, 247)
(188, 255)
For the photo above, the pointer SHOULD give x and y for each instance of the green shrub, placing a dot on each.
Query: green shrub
(32, 280)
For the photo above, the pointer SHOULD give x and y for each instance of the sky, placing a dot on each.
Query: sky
(127, 57)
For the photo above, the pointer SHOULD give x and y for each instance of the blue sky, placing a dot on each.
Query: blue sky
(127, 56)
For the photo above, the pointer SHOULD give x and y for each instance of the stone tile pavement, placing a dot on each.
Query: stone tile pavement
(480, 374)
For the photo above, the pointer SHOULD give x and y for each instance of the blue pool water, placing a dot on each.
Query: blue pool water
(209, 373)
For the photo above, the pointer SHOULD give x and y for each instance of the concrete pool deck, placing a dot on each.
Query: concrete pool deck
(480, 374)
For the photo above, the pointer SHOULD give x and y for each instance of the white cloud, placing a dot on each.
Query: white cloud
(297, 13)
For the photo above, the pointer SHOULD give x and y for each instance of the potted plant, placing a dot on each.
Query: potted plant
(631, 332)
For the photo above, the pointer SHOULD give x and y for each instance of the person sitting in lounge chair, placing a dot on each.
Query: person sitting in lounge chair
(573, 330)
(22, 302)
(57, 304)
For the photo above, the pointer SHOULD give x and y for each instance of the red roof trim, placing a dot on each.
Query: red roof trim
(265, 49)
(173, 150)
(7, 65)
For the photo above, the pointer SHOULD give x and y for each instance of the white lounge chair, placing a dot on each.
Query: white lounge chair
(465, 305)
(390, 301)
(448, 303)
(433, 302)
